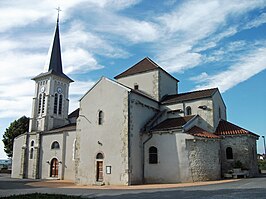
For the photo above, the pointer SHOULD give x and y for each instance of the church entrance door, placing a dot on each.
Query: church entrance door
(54, 168)
(99, 175)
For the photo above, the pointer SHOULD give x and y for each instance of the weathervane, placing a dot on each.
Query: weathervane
(58, 10)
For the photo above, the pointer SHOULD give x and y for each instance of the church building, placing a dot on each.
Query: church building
(136, 128)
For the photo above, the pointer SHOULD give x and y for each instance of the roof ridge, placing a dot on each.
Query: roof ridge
(197, 91)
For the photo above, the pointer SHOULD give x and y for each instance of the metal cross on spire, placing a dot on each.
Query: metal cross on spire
(58, 10)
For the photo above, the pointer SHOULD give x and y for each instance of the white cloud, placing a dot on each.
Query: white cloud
(248, 66)
(256, 22)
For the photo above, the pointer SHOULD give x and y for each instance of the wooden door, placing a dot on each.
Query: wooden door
(99, 175)
(54, 168)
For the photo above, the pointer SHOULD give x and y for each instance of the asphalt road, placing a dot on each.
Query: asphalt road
(250, 188)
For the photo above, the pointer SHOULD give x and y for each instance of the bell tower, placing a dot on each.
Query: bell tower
(50, 103)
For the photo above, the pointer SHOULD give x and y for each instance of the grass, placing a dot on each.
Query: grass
(42, 196)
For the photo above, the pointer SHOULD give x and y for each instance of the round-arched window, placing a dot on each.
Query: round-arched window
(55, 145)
(99, 156)
(32, 143)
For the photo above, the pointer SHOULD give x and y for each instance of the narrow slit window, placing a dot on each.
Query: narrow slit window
(31, 153)
(188, 110)
(100, 118)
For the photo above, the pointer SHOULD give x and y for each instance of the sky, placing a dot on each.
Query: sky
(204, 44)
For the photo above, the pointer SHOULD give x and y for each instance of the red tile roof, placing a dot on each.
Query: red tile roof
(172, 123)
(228, 128)
(188, 96)
(199, 132)
(142, 66)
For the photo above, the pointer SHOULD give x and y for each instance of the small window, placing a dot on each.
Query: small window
(188, 110)
(100, 118)
(153, 155)
(229, 153)
(220, 113)
(55, 145)
(136, 86)
(31, 153)
(32, 143)
(99, 156)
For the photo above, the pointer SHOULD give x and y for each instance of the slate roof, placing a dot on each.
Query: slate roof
(172, 123)
(142, 66)
(75, 114)
(228, 128)
(68, 127)
(188, 96)
(55, 62)
(199, 132)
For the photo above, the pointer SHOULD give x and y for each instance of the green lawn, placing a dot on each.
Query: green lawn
(42, 196)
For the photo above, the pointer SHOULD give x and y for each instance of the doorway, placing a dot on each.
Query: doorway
(99, 174)
(54, 168)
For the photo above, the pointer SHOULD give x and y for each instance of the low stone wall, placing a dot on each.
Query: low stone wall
(244, 150)
(204, 159)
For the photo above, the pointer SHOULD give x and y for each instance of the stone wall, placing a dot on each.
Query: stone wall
(204, 159)
(244, 150)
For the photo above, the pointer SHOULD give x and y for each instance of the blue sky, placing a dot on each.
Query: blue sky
(212, 44)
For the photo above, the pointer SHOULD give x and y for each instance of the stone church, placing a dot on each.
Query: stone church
(134, 129)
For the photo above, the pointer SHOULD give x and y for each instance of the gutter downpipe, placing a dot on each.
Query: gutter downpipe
(143, 156)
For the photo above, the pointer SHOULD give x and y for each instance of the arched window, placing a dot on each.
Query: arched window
(31, 153)
(55, 145)
(43, 103)
(188, 110)
(100, 118)
(60, 104)
(153, 155)
(229, 153)
(32, 143)
(40, 104)
(99, 156)
(55, 103)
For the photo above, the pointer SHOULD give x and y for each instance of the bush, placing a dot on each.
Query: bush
(262, 164)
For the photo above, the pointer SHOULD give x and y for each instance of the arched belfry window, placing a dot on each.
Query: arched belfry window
(60, 104)
(43, 102)
(55, 103)
(32, 143)
(188, 110)
(153, 155)
(100, 118)
(40, 104)
(99, 156)
(55, 145)
(31, 153)
(229, 153)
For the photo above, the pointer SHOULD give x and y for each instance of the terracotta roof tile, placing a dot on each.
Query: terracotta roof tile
(172, 123)
(188, 96)
(199, 132)
(228, 128)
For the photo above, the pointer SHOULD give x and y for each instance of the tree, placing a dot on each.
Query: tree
(15, 129)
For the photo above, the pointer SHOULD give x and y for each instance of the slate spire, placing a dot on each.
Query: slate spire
(55, 62)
